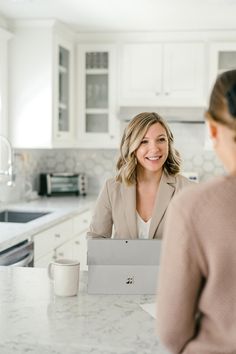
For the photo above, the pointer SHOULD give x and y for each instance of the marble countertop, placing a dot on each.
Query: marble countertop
(60, 208)
(35, 321)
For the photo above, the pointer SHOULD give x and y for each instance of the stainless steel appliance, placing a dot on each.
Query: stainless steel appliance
(62, 183)
(19, 255)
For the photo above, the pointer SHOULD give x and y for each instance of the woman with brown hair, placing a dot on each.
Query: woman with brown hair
(133, 204)
(197, 283)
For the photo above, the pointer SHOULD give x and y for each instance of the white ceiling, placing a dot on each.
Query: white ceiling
(127, 15)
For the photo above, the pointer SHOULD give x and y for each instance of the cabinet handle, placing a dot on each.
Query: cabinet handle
(61, 254)
(85, 221)
(112, 136)
(77, 242)
(57, 235)
(167, 93)
(157, 93)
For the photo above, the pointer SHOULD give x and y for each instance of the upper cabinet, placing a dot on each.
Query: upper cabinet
(163, 74)
(4, 38)
(41, 85)
(96, 96)
(222, 58)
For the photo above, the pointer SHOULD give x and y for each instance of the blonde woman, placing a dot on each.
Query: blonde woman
(133, 204)
(197, 290)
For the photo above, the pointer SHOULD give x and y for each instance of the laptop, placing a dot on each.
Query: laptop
(118, 266)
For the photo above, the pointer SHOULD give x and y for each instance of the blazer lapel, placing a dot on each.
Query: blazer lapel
(129, 199)
(164, 194)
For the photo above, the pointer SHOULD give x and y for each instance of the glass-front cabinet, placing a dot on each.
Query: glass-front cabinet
(97, 123)
(222, 58)
(41, 91)
(63, 127)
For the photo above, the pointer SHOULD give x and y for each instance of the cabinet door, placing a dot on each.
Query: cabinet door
(79, 250)
(40, 87)
(44, 261)
(4, 37)
(184, 73)
(141, 73)
(63, 105)
(98, 126)
(52, 238)
(158, 74)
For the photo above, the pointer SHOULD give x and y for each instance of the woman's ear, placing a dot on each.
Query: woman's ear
(213, 129)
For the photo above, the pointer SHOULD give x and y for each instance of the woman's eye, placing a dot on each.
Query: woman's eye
(161, 140)
(144, 142)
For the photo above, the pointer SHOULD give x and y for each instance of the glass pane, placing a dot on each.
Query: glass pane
(63, 121)
(227, 60)
(63, 90)
(97, 123)
(97, 91)
(64, 57)
(98, 60)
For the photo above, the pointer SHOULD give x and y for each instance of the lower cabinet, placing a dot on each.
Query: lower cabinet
(64, 240)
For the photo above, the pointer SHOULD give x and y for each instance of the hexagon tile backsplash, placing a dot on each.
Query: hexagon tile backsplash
(101, 164)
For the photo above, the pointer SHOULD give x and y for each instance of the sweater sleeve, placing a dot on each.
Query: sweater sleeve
(179, 280)
(101, 223)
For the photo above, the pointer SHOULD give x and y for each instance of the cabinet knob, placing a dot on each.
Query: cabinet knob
(61, 254)
(57, 235)
(112, 136)
(157, 93)
(77, 242)
(167, 93)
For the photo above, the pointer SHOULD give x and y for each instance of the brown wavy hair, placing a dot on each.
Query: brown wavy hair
(222, 104)
(131, 140)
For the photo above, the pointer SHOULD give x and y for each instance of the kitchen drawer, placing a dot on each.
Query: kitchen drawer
(52, 238)
(81, 222)
(44, 261)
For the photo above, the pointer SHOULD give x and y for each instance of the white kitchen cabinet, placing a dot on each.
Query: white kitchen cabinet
(41, 85)
(97, 123)
(46, 242)
(64, 240)
(162, 74)
(222, 57)
(4, 38)
(76, 248)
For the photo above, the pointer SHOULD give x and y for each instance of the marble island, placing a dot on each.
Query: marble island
(35, 321)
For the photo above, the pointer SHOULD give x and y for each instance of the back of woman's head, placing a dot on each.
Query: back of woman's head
(222, 105)
(132, 137)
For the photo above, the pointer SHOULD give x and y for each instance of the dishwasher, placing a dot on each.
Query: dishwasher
(19, 255)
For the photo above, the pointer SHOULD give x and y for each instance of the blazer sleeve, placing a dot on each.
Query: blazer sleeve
(102, 222)
(180, 280)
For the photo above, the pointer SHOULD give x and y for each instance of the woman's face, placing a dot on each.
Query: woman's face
(153, 150)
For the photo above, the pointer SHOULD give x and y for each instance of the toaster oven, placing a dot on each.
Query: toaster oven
(62, 183)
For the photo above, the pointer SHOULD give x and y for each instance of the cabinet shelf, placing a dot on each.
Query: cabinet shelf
(96, 71)
(63, 106)
(63, 70)
(96, 111)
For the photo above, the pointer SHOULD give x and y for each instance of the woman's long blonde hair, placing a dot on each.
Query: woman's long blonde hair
(132, 137)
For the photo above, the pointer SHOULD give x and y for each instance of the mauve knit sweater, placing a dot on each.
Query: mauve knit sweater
(196, 309)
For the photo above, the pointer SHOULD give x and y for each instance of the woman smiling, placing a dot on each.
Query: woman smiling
(133, 204)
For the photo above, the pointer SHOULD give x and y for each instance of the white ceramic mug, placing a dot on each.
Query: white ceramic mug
(65, 276)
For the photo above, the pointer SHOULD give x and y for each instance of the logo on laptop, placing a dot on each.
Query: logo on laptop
(130, 280)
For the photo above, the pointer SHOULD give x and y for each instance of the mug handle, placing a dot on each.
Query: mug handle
(50, 272)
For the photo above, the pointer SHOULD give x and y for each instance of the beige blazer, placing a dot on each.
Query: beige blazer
(116, 208)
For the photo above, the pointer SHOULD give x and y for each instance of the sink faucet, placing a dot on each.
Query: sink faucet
(9, 171)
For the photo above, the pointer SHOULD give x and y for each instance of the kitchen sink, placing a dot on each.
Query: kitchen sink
(20, 216)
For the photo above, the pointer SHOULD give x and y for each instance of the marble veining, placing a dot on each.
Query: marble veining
(34, 320)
